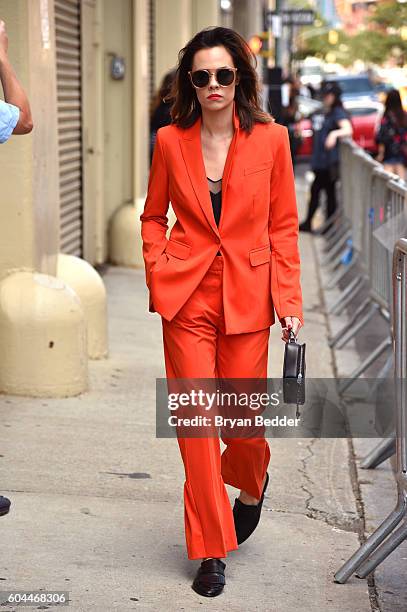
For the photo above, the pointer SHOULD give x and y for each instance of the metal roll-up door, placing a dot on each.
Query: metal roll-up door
(68, 74)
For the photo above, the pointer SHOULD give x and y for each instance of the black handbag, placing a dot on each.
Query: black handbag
(294, 372)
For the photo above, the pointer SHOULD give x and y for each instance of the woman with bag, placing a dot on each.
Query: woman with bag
(231, 256)
(392, 136)
(328, 127)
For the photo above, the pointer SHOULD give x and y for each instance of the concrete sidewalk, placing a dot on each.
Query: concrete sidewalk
(97, 506)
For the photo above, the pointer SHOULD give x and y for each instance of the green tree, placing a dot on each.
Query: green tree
(390, 14)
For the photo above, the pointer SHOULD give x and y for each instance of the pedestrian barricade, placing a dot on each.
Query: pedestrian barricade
(386, 537)
(371, 218)
(356, 189)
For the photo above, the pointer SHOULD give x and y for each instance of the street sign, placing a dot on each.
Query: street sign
(276, 25)
(298, 17)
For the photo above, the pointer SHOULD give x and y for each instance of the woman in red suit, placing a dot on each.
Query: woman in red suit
(231, 259)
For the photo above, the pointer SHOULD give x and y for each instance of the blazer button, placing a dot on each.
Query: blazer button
(218, 241)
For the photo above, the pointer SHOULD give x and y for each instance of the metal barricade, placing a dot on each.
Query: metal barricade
(336, 236)
(362, 232)
(372, 200)
(386, 222)
(356, 210)
(386, 537)
(380, 265)
(356, 178)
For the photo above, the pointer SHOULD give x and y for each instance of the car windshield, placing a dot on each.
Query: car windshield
(356, 85)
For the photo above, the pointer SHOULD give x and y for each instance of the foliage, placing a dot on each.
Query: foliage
(370, 45)
(390, 14)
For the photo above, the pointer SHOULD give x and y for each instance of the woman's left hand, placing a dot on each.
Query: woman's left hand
(330, 141)
(290, 323)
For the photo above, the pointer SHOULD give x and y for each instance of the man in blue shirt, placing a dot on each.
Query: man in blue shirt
(15, 118)
(15, 113)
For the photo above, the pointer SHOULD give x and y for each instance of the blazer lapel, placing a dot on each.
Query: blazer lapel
(191, 148)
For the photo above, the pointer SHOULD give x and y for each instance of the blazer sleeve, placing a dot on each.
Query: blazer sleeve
(283, 232)
(154, 220)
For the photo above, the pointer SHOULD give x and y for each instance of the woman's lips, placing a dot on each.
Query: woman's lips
(214, 97)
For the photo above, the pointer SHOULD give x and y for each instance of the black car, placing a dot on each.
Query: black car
(354, 86)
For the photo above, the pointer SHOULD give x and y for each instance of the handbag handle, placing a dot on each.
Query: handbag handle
(292, 337)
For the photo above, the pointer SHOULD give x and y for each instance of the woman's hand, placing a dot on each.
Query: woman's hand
(290, 323)
(330, 140)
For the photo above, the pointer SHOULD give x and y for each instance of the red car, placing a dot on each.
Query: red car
(304, 129)
(364, 116)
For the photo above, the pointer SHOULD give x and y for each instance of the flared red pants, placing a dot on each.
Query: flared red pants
(195, 346)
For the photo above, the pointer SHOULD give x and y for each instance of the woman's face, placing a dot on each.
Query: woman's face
(211, 59)
(328, 100)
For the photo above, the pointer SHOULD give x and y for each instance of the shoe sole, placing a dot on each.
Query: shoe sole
(206, 594)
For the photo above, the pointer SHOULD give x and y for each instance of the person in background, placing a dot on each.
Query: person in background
(391, 135)
(291, 116)
(160, 108)
(302, 90)
(328, 127)
(15, 113)
(15, 118)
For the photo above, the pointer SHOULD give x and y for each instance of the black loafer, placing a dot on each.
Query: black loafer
(210, 578)
(247, 517)
(4, 505)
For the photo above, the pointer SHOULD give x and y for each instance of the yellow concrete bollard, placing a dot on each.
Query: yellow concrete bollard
(125, 244)
(89, 287)
(42, 337)
(125, 238)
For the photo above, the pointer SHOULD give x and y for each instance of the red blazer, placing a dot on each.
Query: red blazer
(257, 234)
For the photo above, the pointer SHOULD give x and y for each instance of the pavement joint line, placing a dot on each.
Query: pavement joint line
(75, 494)
(370, 579)
(332, 520)
(372, 589)
(341, 522)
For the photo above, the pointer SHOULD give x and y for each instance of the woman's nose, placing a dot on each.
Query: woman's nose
(212, 81)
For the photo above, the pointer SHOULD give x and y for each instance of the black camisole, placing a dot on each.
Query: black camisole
(215, 189)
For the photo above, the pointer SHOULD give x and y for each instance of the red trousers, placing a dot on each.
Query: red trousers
(195, 346)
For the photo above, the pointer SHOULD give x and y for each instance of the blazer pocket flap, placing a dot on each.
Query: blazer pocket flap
(258, 167)
(178, 249)
(260, 255)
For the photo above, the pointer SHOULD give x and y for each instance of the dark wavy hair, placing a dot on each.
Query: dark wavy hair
(163, 91)
(394, 108)
(186, 108)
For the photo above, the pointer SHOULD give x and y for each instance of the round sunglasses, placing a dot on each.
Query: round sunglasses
(201, 78)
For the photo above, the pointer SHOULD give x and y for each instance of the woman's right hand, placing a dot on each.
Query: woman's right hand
(290, 323)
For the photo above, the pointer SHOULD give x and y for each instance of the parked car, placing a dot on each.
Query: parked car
(311, 74)
(382, 89)
(306, 108)
(364, 117)
(354, 87)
